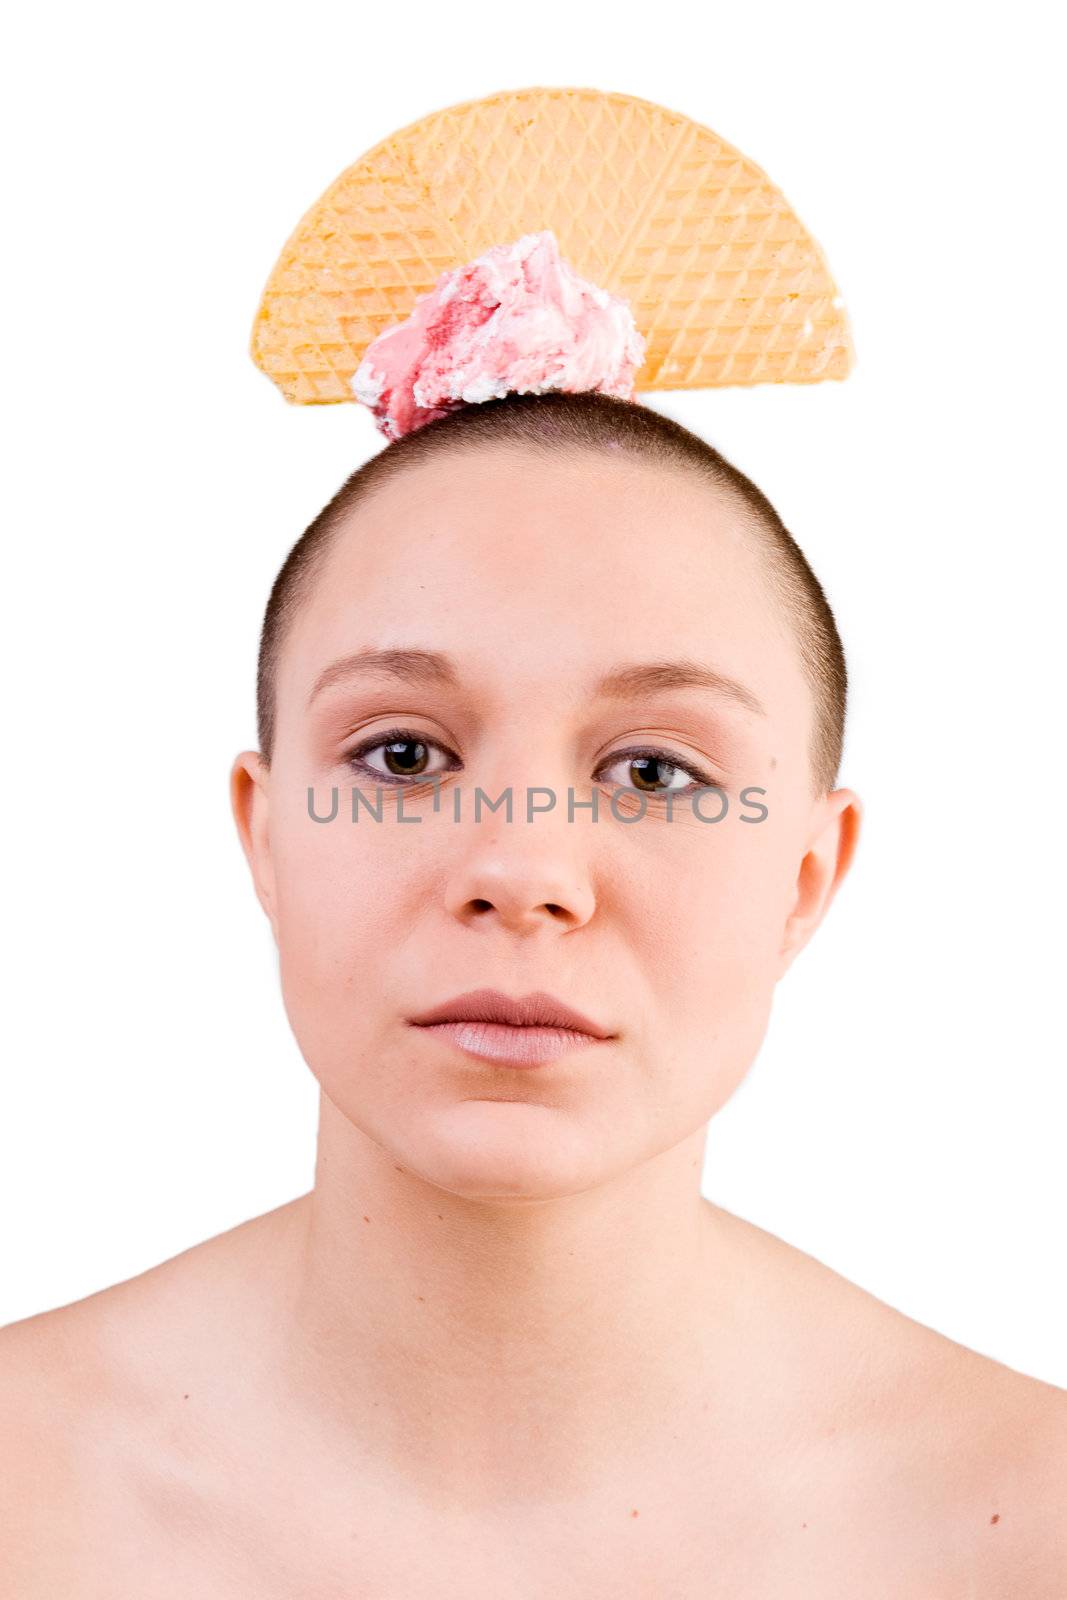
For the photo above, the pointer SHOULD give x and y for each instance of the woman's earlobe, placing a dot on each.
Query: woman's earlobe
(831, 848)
(250, 802)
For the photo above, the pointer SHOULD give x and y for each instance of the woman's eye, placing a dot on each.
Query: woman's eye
(654, 772)
(403, 754)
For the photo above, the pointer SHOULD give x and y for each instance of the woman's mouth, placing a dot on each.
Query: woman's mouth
(518, 1031)
(515, 1047)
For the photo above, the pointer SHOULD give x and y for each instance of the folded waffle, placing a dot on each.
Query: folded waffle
(726, 286)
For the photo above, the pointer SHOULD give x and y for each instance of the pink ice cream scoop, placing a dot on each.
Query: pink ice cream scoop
(517, 319)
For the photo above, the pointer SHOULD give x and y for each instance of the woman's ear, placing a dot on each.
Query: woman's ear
(250, 800)
(831, 845)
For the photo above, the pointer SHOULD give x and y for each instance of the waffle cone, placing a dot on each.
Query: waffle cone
(725, 283)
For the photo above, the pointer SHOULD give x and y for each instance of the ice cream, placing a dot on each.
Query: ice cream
(517, 319)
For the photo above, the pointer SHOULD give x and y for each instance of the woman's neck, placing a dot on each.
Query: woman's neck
(489, 1351)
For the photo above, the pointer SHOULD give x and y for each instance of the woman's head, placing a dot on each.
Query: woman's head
(554, 589)
(563, 425)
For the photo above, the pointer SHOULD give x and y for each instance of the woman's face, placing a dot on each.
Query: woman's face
(536, 578)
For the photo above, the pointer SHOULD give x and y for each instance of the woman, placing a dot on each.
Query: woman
(504, 1347)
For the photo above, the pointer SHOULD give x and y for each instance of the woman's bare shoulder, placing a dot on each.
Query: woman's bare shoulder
(960, 1448)
(175, 1317)
(42, 1372)
(88, 1389)
(1001, 1440)
(998, 1437)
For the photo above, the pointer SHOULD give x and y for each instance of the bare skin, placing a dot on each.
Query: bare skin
(845, 1450)
(503, 1346)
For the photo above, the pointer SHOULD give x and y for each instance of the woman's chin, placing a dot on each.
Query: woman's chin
(508, 1150)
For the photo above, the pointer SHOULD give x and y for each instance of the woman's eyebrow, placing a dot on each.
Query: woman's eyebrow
(626, 681)
(413, 666)
(649, 677)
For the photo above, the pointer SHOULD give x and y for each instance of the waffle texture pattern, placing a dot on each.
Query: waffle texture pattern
(726, 285)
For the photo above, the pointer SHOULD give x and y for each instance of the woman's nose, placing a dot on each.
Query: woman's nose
(522, 875)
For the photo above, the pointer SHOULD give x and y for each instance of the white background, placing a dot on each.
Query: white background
(904, 1121)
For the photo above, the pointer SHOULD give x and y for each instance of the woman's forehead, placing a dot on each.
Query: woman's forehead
(479, 484)
(497, 533)
(478, 679)
(545, 570)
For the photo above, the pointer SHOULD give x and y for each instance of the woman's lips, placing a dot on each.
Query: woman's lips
(529, 1046)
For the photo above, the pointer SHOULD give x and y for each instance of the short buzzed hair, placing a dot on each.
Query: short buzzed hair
(560, 423)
